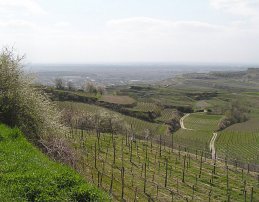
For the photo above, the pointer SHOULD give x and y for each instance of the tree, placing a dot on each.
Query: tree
(70, 85)
(59, 84)
(90, 87)
(101, 89)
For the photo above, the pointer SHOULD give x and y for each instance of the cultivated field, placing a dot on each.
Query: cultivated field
(143, 171)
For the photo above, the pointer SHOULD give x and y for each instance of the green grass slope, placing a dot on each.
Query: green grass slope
(26, 174)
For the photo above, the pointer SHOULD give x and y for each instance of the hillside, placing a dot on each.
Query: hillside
(139, 143)
(26, 174)
(219, 80)
(147, 171)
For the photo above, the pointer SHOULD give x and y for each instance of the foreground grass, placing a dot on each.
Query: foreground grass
(28, 175)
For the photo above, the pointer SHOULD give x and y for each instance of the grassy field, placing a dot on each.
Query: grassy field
(143, 171)
(202, 127)
(28, 175)
(240, 141)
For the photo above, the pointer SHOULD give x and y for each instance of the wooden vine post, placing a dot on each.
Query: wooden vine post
(166, 170)
(122, 183)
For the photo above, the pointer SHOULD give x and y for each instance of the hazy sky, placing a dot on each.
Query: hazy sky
(99, 31)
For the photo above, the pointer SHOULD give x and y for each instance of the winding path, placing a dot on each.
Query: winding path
(212, 146)
(181, 122)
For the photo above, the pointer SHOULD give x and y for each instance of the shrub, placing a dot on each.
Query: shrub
(236, 114)
(21, 104)
(174, 122)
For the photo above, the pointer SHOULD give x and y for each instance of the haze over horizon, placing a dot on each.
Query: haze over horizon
(131, 31)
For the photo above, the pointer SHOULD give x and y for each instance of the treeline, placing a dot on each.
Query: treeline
(202, 95)
(100, 121)
(88, 87)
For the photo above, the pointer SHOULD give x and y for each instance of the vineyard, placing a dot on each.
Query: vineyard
(134, 170)
(202, 127)
(156, 166)
(240, 142)
(202, 122)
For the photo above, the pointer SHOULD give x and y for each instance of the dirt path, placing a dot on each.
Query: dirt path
(181, 122)
(212, 146)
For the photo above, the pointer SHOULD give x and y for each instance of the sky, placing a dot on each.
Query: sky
(129, 31)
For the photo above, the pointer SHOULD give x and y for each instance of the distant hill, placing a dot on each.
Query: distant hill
(234, 80)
